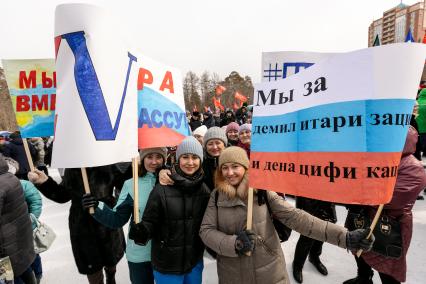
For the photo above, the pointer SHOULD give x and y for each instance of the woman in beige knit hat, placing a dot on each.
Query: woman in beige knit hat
(224, 227)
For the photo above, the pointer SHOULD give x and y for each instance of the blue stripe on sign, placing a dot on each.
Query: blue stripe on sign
(162, 111)
(388, 136)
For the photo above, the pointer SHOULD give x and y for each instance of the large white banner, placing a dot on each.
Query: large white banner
(335, 131)
(96, 90)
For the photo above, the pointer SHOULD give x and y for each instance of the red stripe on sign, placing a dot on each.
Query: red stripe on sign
(57, 44)
(328, 176)
(158, 137)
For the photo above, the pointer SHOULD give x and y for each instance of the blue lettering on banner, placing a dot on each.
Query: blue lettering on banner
(275, 73)
(156, 119)
(296, 65)
(90, 91)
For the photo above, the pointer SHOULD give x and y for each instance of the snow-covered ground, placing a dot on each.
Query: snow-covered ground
(59, 266)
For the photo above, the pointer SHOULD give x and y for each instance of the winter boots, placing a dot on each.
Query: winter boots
(110, 275)
(318, 264)
(98, 276)
(359, 280)
(297, 274)
(297, 270)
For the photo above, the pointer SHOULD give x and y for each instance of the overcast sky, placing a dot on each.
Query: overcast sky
(218, 36)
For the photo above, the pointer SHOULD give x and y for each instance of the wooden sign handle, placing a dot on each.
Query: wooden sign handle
(86, 187)
(28, 153)
(372, 226)
(135, 170)
(249, 212)
(250, 209)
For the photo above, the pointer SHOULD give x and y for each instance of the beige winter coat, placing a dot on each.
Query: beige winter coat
(266, 264)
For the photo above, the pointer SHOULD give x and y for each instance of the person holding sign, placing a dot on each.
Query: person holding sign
(95, 247)
(138, 257)
(392, 266)
(172, 219)
(255, 256)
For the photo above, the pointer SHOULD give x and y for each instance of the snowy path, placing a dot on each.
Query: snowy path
(59, 266)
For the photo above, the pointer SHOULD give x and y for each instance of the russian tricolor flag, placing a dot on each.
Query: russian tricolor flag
(335, 131)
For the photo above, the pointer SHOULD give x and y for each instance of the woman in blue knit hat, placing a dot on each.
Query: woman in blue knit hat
(172, 219)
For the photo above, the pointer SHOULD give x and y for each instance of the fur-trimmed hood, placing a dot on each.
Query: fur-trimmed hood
(230, 191)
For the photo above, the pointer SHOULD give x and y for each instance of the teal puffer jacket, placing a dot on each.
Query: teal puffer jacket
(33, 200)
(123, 210)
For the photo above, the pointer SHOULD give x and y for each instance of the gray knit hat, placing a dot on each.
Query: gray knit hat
(189, 145)
(159, 150)
(245, 126)
(215, 133)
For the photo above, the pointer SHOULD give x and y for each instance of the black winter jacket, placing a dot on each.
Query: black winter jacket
(15, 150)
(321, 209)
(172, 219)
(209, 121)
(227, 120)
(94, 245)
(194, 124)
(16, 234)
(209, 167)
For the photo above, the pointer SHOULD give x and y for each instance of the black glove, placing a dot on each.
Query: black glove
(138, 233)
(356, 240)
(89, 201)
(245, 242)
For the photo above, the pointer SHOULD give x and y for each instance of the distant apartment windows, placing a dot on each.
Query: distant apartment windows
(400, 28)
(378, 31)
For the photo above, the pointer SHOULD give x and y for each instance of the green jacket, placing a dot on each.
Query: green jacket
(421, 118)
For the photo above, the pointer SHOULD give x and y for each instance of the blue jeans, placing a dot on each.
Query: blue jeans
(193, 277)
(26, 278)
(37, 268)
(141, 273)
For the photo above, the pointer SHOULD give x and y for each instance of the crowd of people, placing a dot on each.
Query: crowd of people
(192, 198)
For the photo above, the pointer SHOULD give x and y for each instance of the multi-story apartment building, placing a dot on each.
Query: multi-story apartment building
(397, 22)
